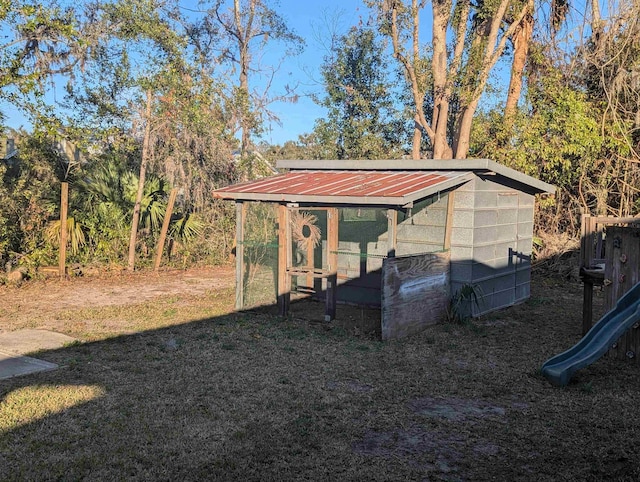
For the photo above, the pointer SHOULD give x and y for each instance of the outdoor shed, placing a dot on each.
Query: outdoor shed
(401, 235)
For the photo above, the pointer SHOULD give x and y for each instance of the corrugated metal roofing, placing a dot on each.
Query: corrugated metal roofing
(346, 187)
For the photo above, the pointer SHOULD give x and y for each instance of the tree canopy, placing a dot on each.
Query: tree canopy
(166, 95)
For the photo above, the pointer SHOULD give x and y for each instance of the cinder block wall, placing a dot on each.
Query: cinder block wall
(424, 230)
(491, 241)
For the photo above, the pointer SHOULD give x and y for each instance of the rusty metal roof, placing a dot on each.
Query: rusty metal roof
(346, 186)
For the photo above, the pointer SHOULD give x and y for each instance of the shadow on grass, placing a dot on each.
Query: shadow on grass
(237, 396)
(248, 396)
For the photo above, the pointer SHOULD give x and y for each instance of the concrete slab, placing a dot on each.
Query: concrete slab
(12, 365)
(25, 341)
(15, 344)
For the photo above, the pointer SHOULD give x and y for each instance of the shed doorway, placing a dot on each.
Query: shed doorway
(309, 258)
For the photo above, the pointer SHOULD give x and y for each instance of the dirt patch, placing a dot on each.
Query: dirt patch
(52, 296)
(433, 451)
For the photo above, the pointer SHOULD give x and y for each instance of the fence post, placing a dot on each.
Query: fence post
(64, 206)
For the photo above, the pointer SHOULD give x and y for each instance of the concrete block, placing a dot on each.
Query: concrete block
(380, 249)
(507, 216)
(484, 271)
(436, 216)
(441, 201)
(461, 253)
(485, 235)
(485, 217)
(484, 253)
(525, 245)
(502, 299)
(416, 233)
(507, 232)
(499, 282)
(374, 264)
(525, 215)
(463, 218)
(523, 276)
(508, 199)
(523, 292)
(526, 199)
(486, 199)
(462, 236)
(464, 200)
(503, 264)
(502, 251)
(461, 271)
(525, 229)
(403, 248)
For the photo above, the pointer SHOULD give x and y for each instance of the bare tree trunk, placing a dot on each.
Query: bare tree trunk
(243, 37)
(417, 138)
(521, 43)
(143, 171)
(414, 79)
(463, 131)
(439, 68)
(596, 20)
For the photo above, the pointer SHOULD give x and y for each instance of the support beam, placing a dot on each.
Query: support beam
(332, 257)
(392, 232)
(449, 222)
(284, 279)
(241, 210)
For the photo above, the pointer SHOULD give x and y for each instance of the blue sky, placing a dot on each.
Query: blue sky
(314, 22)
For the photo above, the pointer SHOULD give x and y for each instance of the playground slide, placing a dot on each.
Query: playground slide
(559, 369)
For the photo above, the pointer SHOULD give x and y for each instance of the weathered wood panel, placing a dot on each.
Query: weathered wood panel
(415, 293)
(241, 212)
(621, 274)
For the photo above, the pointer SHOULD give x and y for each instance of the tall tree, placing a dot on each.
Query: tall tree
(42, 41)
(448, 74)
(362, 120)
(145, 31)
(247, 27)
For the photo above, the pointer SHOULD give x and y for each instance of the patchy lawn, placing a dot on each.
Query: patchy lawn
(178, 387)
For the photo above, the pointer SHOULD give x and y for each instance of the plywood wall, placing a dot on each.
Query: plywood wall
(415, 293)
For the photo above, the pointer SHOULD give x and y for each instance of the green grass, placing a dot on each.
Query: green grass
(207, 394)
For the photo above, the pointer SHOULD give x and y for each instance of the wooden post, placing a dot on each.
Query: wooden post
(284, 280)
(587, 289)
(240, 215)
(310, 264)
(165, 227)
(392, 232)
(449, 221)
(64, 206)
(583, 240)
(587, 305)
(332, 257)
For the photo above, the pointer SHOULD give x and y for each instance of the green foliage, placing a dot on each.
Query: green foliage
(463, 302)
(362, 121)
(104, 210)
(30, 188)
(75, 234)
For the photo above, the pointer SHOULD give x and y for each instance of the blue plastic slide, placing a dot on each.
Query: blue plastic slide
(559, 369)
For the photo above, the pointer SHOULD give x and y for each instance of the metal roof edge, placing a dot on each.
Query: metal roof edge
(420, 165)
(344, 199)
(302, 198)
(520, 177)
